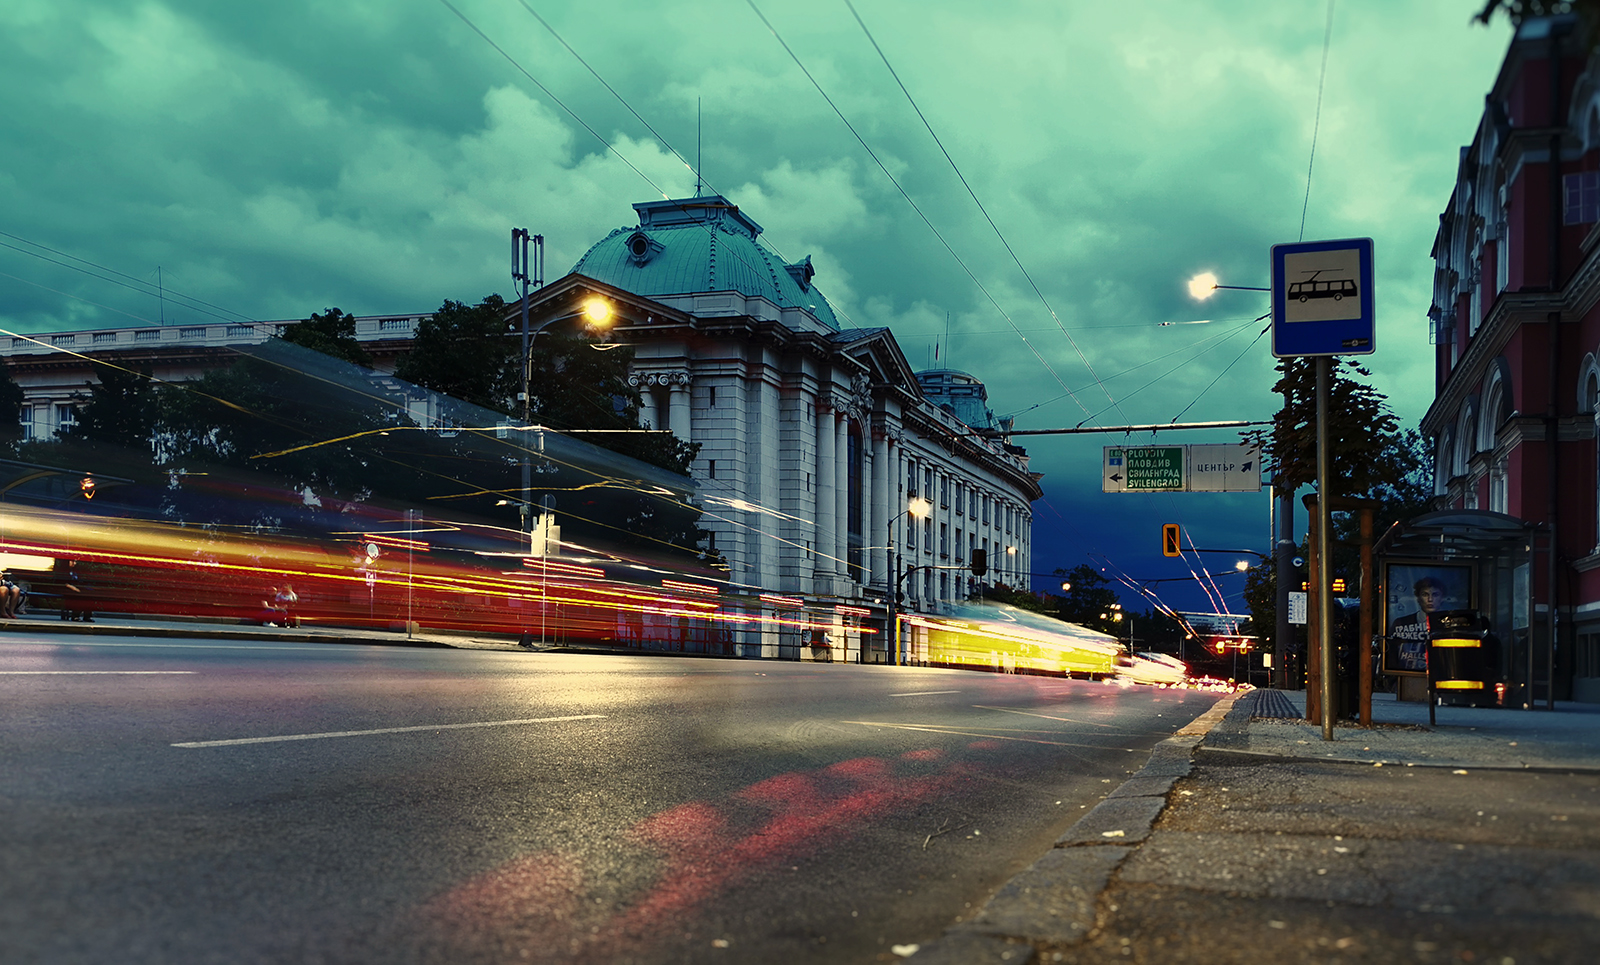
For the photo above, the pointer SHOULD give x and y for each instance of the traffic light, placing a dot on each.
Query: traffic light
(980, 562)
(1169, 540)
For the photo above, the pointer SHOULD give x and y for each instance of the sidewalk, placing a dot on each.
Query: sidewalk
(1249, 839)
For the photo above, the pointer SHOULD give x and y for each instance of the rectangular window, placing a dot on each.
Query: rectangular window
(911, 535)
(927, 535)
(711, 396)
(960, 546)
(25, 414)
(711, 468)
(1582, 191)
(974, 501)
(944, 585)
(986, 510)
(944, 492)
(66, 417)
(944, 541)
(927, 483)
(960, 503)
(911, 480)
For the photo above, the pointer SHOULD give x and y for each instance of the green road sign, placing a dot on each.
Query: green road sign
(1136, 469)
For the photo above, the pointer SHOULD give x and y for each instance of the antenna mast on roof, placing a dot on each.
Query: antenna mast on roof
(698, 129)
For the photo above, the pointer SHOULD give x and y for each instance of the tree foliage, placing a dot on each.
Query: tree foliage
(119, 411)
(331, 333)
(11, 396)
(1372, 457)
(463, 351)
(1090, 596)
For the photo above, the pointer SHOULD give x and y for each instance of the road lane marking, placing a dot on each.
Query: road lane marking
(18, 673)
(1025, 713)
(962, 733)
(926, 693)
(385, 730)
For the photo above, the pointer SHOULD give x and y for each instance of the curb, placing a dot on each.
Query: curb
(1054, 900)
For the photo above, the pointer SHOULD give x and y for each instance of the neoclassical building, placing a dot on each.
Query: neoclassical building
(815, 438)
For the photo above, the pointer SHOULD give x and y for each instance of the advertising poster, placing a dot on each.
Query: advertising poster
(1413, 592)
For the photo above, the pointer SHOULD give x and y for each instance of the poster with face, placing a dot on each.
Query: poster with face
(1412, 593)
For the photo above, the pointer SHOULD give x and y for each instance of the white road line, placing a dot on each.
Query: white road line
(385, 730)
(926, 693)
(19, 673)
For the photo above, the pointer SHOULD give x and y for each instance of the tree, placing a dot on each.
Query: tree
(1090, 596)
(463, 351)
(331, 333)
(11, 396)
(1374, 460)
(120, 410)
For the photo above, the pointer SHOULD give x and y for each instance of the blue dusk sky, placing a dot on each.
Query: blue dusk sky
(277, 159)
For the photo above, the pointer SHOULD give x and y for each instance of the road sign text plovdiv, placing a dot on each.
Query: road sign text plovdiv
(1232, 468)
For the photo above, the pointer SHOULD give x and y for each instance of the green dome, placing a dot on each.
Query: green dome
(691, 245)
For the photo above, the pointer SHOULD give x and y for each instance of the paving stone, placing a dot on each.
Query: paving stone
(1054, 900)
(1132, 816)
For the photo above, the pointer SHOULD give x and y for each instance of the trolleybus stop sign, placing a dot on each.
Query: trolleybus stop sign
(1322, 298)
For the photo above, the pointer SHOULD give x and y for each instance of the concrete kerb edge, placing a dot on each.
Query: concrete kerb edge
(1055, 900)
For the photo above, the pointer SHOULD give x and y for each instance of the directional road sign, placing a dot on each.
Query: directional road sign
(1232, 468)
(1322, 298)
(1143, 469)
(1228, 468)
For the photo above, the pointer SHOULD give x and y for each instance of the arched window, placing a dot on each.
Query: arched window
(1443, 456)
(1493, 413)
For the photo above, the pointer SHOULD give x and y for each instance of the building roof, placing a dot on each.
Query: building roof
(702, 244)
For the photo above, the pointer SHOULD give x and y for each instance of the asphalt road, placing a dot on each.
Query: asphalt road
(190, 801)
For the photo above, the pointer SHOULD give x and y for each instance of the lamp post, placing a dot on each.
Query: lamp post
(916, 509)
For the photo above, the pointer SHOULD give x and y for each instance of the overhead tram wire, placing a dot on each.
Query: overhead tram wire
(611, 148)
(914, 206)
(143, 288)
(985, 211)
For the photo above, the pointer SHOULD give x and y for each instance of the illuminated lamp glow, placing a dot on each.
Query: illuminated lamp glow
(1455, 642)
(1202, 286)
(1458, 685)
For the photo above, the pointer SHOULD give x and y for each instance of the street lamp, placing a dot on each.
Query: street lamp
(917, 508)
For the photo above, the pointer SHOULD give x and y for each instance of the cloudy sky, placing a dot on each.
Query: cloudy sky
(276, 159)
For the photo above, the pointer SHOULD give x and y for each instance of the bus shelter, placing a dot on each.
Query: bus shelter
(1469, 560)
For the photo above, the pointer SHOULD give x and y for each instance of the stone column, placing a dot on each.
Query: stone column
(841, 493)
(882, 510)
(826, 478)
(678, 417)
(647, 407)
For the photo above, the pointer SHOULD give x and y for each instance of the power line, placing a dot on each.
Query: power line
(1316, 125)
(892, 180)
(985, 211)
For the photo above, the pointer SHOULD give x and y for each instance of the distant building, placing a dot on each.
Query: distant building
(1516, 324)
(815, 437)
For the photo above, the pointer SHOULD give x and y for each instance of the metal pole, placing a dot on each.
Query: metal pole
(1283, 570)
(1325, 498)
(519, 273)
(894, 587)
(411, 560)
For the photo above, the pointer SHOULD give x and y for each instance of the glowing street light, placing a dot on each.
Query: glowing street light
(1202, 286)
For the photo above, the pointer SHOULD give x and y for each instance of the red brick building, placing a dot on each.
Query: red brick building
(1516, 328)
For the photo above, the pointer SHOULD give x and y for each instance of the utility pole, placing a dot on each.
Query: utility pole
(520, 274)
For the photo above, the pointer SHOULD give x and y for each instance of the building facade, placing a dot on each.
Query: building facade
(815, 438)
(1516, 328)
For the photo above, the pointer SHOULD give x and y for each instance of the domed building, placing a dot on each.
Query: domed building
(819, 443)
(815, 438)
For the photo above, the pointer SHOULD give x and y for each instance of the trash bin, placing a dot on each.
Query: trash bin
(1463, 659)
